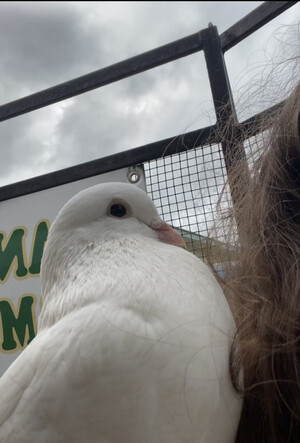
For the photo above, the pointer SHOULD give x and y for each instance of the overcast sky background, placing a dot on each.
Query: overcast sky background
(46, 43)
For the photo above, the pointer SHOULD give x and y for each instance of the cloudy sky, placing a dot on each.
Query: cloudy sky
(46, 43)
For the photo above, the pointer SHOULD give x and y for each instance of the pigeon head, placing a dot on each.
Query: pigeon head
(112, 209)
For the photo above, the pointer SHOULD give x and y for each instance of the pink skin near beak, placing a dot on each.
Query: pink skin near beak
(166, 234)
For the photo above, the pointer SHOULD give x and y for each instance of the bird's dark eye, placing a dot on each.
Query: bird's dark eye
(118, 210)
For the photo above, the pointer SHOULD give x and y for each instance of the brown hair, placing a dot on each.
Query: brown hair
(263, 287)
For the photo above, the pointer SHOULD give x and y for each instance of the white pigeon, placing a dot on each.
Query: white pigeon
(133, 339)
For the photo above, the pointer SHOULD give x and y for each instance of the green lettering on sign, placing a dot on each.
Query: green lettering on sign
(40, 238)
(11, 253)
(18, 329)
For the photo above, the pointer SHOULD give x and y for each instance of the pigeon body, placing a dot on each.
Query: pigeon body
(133, 338)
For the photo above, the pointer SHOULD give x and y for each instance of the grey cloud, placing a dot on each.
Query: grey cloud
(19, 148)
(43, 44)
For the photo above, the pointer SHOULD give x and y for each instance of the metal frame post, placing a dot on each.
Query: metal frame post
(227, 125)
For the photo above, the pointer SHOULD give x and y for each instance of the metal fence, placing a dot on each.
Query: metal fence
(185, 188)
(184, 174)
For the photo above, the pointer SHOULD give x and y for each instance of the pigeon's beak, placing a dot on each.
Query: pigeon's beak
(166, 234)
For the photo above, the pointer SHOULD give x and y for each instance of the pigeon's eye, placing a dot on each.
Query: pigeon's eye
(118, 210)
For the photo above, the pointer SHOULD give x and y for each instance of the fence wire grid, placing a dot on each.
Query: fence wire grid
(186, 189)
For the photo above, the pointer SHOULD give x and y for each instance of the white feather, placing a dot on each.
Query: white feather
(134, 336)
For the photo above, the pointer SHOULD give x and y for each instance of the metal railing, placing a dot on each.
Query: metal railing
(148, 60)
(181, 158)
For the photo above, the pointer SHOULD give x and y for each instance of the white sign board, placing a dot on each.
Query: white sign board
(24, 224)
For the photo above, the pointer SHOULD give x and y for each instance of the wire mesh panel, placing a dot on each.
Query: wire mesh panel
(185, 188)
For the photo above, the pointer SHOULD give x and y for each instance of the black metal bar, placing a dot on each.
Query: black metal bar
(218, 78)
(169, 146)
(259, 122)
(222, 95)
(227, 123)
(253, 21)
(162, 148)
(126, 68)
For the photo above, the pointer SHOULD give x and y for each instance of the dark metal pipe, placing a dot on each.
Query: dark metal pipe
(253, 21)
(163, 148)
(126, 68)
